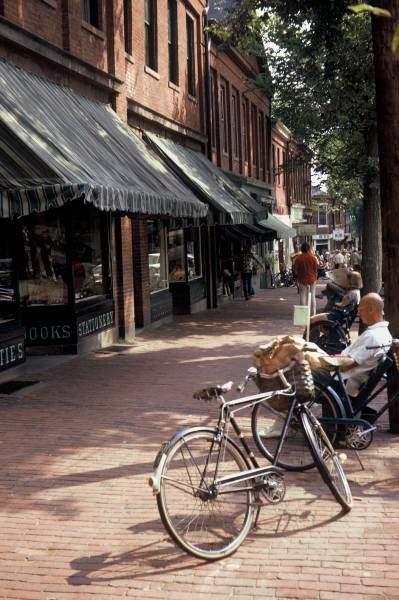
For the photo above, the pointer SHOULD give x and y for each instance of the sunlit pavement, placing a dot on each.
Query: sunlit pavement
(78, 519)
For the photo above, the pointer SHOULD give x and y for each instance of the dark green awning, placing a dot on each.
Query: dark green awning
(56, 145)
(283, 231)
(230, 203)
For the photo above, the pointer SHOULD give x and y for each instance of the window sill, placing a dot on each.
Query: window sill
(174, 86)
(129, 58)
(151, 72)
(97, 32)
(193, 99)
(51, 3)
(152, 292)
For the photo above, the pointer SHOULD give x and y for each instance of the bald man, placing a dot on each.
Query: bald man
(363, 354)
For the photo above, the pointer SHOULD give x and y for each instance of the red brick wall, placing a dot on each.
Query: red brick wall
(279, 149)
(141, 273)
(153, 89)
(38, 16)
(234, 76)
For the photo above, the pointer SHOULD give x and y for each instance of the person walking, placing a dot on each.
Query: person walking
(305, 269)
(248, 259)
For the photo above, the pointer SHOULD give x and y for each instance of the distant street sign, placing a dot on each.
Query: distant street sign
(338, 234)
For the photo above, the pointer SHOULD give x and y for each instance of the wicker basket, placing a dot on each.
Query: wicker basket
(299, 376)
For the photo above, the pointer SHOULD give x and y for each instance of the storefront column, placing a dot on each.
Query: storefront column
(141, 272)
(123, 277)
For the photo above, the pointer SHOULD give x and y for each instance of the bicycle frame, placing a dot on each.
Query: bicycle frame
(227, 416)
(349, 411)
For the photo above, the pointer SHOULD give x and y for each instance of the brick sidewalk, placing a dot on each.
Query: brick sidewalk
(78, 519)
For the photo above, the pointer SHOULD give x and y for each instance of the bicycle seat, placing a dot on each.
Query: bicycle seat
(212, 392)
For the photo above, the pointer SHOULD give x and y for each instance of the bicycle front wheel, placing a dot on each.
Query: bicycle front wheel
(205, 522)
(327, 460)
(268, 419)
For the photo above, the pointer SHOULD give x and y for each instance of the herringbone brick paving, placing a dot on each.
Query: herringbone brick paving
(78, 519)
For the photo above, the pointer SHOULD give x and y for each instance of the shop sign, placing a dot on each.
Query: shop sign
(322, 236)
(96, 323)
(48, 333)
(296, 213)
(338, 234)
(11, 353)
(306, 228)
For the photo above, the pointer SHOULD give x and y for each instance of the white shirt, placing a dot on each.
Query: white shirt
(353, 296)
(366, 355)
(339, 259)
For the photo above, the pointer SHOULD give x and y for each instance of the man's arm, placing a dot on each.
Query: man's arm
(343, 362)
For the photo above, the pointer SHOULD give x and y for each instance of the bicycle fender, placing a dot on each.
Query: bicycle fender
(337, 399)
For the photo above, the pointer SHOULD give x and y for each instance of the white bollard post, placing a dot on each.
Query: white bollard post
(308, 317)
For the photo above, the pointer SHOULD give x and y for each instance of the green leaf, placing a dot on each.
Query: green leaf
(374, 10)
(395, 41)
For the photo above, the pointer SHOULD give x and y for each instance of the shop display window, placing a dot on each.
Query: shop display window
(157, 256)
(176, 256)
(193, 249)
(42, 265)
(7, 288)
(89, 253)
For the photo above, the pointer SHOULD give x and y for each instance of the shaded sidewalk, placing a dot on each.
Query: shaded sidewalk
(78, 519)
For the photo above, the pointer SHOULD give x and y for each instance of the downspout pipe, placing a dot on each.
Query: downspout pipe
(211, 279)
(208, 90)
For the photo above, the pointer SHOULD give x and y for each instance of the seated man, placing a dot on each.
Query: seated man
(364, 354)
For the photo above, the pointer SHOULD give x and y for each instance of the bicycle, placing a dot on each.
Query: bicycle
(333, 336)
(210, 490)
(284, 279)
(351, 420)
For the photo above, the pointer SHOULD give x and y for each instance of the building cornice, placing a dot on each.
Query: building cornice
(155, 117)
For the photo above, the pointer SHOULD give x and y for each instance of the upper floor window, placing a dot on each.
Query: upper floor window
(91, 12)
(235, 123)
(284, 168)
(172, 42)
(254, 136)
(223, 117)
(127, 24)
(245, 129)
(262, 140)
(214, 106)
(322, 215)
(190, 55)
(150, 33)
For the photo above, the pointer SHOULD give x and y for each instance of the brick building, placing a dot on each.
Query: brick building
(116, 220)
(291, 188)
(332, 227)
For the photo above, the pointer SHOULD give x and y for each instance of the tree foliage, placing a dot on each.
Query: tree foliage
(321, 63)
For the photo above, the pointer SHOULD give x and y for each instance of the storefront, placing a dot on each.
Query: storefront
(70, 171)
(197, 254)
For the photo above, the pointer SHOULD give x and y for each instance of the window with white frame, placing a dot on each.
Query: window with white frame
(322, 216)
(157, 256)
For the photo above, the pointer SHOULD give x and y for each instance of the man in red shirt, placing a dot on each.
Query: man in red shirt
(305, 269)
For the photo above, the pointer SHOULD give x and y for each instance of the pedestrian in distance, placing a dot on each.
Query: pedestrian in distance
(305, 268)
(248, 259)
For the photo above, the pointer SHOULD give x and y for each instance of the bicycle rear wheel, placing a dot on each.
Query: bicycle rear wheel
(327, 460)
(328, 335)
(268, 418)
(204, 523)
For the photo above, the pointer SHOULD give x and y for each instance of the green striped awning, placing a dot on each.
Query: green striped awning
(56, 146)
(229, 203)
